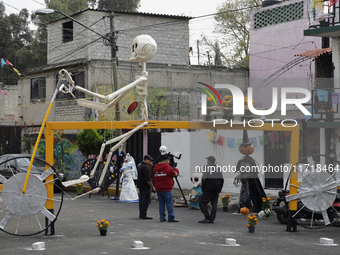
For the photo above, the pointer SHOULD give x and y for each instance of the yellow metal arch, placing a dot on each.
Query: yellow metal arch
(51, 126)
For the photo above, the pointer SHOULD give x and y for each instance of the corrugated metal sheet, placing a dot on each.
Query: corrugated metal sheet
(316, 53)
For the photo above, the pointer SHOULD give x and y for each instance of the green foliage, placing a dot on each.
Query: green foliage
(89, 142)
(233, 21)
(27, 141)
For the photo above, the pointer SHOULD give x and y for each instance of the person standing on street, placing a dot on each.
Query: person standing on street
(163, 176)
(212, 184)
(145, 186)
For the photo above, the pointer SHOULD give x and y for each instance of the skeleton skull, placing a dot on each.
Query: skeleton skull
(196, 179)
(143, 48)
(163, 150)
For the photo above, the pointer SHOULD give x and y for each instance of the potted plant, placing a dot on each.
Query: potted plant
(248, 115)
(252, 221)
(330, 114)
(265, 203)
(228, 107)
(79, 188)
(208, 117)
(225, 202)
(103, 226)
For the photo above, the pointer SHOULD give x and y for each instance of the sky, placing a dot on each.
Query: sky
(192, 8)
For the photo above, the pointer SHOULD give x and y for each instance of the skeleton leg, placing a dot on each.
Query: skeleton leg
(128, 134)
(83, 178)
(124, 137)
(84, 194)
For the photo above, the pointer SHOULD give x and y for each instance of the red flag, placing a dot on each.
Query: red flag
(332, 2)
(8, 63)
(3, 92)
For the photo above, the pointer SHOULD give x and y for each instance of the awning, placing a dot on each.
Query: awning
(316, 53)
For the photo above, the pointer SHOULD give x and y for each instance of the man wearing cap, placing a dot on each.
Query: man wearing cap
(212, 183)
(145, 186)
(163, 175)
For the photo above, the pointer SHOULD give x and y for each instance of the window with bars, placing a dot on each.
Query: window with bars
(38, 88)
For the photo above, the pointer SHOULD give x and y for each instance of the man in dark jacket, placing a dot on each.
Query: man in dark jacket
(212, 183)
(163, 175)
(145, 186)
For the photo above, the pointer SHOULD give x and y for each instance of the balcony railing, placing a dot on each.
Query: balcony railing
(327, 17)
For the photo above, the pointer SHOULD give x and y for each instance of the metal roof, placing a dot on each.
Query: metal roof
(316, 53)
(134, 13)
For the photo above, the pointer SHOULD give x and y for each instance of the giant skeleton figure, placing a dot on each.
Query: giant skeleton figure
(143, 49)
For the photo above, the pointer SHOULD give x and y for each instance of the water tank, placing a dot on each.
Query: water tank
(267, 3)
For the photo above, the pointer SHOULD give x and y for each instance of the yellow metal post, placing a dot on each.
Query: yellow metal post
(294, 158)
(50, 160)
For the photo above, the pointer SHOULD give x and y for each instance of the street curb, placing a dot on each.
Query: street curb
(111, 190)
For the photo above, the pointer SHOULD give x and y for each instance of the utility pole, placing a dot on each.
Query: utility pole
(114, 49)
(198, 52)
(209, 68)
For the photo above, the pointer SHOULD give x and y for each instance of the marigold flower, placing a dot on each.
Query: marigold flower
(222, 197)
(248, 225)
(106, 222)
(102, 220)
(101, 225)
(98, 221)
(268, 198)
(247, 219)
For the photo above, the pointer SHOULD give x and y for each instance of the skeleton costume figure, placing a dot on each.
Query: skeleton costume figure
(196, 191)
(251, 187)
(128, 193)
(143, 49)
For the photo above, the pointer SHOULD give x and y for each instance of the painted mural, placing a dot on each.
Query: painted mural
(67, 157)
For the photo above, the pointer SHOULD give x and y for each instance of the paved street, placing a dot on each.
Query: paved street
(76, 233)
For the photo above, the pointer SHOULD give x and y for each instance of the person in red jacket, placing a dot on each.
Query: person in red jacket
(163, 175)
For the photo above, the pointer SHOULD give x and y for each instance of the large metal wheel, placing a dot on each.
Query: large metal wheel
(25, 214)
(316, 179)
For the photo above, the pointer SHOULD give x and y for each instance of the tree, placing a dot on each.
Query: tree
(90, 140)
(119, 5)
(15, 39)
(233, 22)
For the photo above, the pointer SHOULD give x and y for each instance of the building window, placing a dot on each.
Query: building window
(67, 31)
(79, 80)
(38, 88)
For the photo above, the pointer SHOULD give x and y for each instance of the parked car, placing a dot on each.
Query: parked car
(20, 164)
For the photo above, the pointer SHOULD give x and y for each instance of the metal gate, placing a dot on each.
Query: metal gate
(10, 140)
(275, 154)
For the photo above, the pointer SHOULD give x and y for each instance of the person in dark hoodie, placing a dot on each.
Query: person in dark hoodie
(212, 184)
(163, 175)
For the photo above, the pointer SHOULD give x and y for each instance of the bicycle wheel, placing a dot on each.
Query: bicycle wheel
(317, 190)
(25, 214)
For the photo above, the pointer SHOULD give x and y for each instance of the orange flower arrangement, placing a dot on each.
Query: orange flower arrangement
(102, 224)
(252, 221)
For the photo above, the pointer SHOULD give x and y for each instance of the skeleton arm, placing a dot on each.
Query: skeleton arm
(115, 96)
